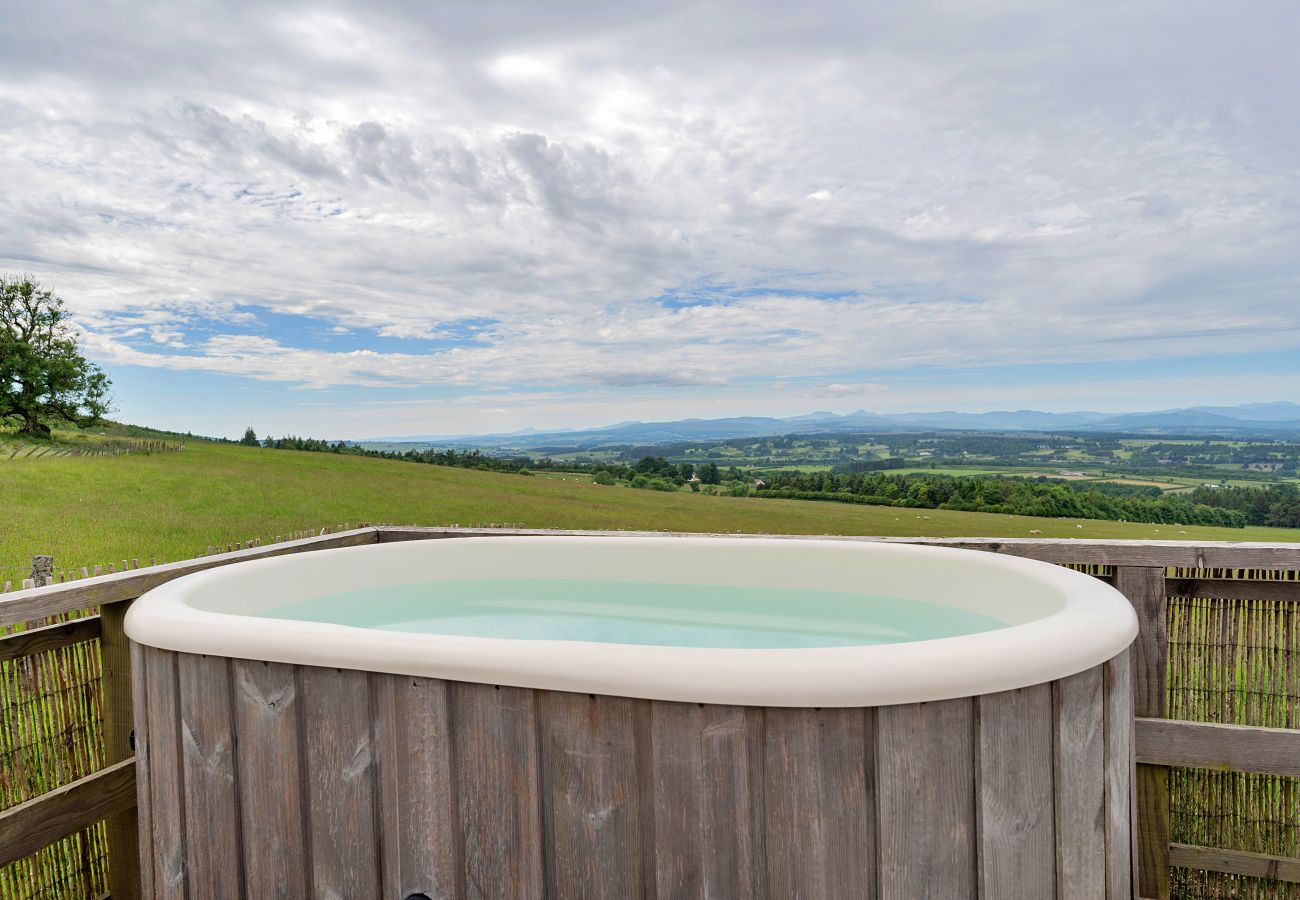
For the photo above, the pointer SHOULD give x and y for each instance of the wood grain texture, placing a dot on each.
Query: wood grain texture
(495, 760)
(1080, 786)
(707, 819)
(1118, 687)
(207, 753)
(1146, 590)
(819, 793)
(417, 793)
(166, 787)
(341, 807)
(123, 826)
(589, 794)
(1236, 862)
(41, 821)
(269, 760)
(1204, 745)
(1151, 795)
(144, 804)
(50, 637)
(925, 783)
(351, 785)
(1235, 588)
(1017, 829)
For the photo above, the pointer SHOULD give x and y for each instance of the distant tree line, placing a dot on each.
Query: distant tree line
(1276, 505)
(463, 459)
(1016, 496)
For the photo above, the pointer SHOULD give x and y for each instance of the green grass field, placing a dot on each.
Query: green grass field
(88, 510)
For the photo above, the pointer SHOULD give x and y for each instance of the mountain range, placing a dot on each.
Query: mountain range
(1255, 420)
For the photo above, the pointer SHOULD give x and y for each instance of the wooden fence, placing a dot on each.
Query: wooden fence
(1148, 573)
(87, 448)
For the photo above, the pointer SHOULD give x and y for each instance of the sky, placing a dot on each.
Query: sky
(351, 219)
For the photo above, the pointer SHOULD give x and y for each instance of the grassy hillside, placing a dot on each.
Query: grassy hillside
(173, 505)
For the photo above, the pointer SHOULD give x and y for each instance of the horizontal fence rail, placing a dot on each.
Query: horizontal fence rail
(1149, 573)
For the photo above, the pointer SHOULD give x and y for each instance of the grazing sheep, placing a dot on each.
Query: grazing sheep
(1035, 531)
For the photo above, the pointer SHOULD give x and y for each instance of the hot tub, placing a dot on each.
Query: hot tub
(617, 717)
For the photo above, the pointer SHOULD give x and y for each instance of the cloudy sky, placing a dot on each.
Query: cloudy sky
(388, 217)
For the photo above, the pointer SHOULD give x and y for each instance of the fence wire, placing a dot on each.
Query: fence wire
(51, 717)
(1235, 662)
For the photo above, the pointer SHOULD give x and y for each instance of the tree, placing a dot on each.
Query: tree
(43, 376)
(250, 438)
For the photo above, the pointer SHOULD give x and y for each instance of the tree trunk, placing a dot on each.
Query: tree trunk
(35, 428)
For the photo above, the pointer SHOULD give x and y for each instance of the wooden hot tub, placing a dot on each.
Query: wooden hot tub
(490, 767)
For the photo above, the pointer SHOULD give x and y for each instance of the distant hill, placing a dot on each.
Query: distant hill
(1256, 420)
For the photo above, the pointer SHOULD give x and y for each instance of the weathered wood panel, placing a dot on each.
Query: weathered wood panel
(41, 821)
(1080, 779)
(1118, 686)
(348, 784)
(925, 759)
(50, 637)
(1236, 862)
(589, 795)
(819, 797)
(417, 791)
(340, 800)
(271, 797)
(707, 818)
(1017, 827)
(494, 741)
(144, 804)
(1205, 745)
(1145, 588)
(208, 765)
(123, 826)
(1235, 588)
(166, 788)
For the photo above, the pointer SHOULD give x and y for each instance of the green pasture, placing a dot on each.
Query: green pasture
(88, 510)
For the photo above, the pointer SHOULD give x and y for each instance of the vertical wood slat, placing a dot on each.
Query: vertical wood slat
(1145, 588)
(465, 780)
(706, 818)
(339, 762)
(1080, 786)
(166, 789)
(1118, 686)
(495, 760)
(144, 804)
(925, 787)
(590, 794)
(208, 763)
(123, 828)
(819, 795)
(272, 813)
(1016, 809)
(419, 821)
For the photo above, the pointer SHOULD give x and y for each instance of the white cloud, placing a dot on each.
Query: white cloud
(864, 187)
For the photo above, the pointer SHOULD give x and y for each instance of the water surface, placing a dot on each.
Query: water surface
(639, 612)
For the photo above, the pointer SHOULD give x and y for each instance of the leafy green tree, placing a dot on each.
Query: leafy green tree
(43, 376)
(708, 473)
(250, 438)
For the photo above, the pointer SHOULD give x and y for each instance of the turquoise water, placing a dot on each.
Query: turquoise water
(639, 612)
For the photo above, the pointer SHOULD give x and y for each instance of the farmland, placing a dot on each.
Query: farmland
(88, 510)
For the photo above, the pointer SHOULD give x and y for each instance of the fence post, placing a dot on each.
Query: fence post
(1145, 588)
(123, 827)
